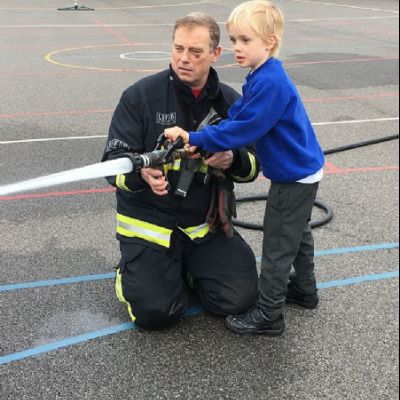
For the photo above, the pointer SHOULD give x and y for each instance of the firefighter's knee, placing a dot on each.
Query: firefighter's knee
(158, 317)
(234, 297)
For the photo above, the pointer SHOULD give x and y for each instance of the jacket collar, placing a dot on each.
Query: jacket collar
(212, 85)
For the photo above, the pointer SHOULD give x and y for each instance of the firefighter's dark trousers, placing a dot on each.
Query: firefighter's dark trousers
(288, 241)
(153, 281)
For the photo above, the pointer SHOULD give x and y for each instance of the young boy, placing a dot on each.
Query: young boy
(271, 115)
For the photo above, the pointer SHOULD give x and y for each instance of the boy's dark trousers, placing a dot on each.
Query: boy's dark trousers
(288, 241)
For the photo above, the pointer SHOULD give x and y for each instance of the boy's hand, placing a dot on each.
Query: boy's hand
(172, 134)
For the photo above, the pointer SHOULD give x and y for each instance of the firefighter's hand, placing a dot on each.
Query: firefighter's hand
(221, 160)
(173, 134)
(156, 180)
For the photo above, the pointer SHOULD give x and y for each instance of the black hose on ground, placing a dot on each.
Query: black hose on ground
(319, 204)
(361, 144)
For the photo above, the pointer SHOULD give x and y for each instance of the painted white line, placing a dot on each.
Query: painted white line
(356, 121)
(85, 26)
(193, 3)
(136, 55)
(53, 139)
(344, 5)
(172, 24)
(342, 19)
(359, 121)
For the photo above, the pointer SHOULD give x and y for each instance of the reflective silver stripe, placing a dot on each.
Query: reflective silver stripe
(120, 294)
(131, 227)
(253, 172)
(176, 166)
(121, 182)
(197, 232)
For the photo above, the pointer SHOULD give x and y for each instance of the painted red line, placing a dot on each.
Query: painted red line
(354, 60)
(330, 170)
(363, 97)
(289, 64)
(53, 73)
(54, 113)
(56, 194)
(113, 32)
(366, 169)
(85, 112)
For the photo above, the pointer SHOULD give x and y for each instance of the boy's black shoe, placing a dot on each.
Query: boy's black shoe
(296, 296)
(254, 322)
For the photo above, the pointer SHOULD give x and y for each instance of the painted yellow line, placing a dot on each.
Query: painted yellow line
(50, 58)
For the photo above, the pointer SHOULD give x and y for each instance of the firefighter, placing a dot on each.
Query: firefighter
(174, 223)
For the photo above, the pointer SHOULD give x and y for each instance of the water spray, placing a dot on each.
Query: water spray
(127, 163)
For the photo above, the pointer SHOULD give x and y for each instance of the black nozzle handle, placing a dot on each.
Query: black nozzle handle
(154, 159)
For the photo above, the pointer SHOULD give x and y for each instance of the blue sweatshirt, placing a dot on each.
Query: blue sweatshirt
(271, 115)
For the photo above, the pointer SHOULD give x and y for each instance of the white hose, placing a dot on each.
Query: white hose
(100, 170)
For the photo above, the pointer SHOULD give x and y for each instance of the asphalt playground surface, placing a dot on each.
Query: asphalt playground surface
(63, 334)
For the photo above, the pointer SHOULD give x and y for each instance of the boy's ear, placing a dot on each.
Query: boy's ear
(270, 42)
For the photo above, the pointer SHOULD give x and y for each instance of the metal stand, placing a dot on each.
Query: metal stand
(76, 8)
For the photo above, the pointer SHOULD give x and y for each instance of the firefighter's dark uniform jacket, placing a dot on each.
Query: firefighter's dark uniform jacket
(145, 110)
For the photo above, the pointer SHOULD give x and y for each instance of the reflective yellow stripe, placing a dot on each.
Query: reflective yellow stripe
(121, 182)
(176, 166)
(253, 162)
(118, 287)
(204, 168)
(131, 227)
(120, 294)
(197, 232)
(253, 172)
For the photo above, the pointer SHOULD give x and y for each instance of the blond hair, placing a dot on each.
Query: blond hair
(264, 17)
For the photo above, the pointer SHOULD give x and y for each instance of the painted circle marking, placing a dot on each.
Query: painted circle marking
(136, 55)
(50, 58)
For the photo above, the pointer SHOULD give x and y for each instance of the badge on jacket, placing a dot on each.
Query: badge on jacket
(166, 119)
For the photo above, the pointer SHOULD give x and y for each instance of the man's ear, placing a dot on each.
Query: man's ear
(216, 53)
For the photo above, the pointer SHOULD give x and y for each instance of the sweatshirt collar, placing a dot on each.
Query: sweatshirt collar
(212, 85)
(262, 67)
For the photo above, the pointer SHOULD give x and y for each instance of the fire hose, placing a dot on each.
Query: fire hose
(127, 163)
(133, 163)
(328, 216)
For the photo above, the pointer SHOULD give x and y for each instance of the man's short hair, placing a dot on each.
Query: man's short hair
(264, 17)
(201, 19)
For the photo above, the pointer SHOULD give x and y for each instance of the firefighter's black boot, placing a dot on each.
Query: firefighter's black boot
(254, 322)
(296, 296)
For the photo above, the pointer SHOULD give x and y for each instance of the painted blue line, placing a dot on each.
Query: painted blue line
(193, 311)
(55, 282)
(358, 280)
(80, 339)
(357, 249)
(90, 278)
(65, 343)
